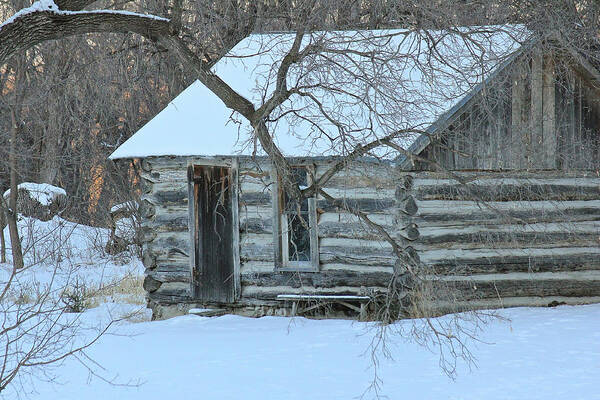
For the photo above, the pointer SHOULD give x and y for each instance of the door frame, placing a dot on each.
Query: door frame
(233, 164)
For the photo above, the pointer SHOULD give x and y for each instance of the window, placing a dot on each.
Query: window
(294, 226)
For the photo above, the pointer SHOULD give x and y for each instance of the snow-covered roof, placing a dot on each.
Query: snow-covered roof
(198, 123)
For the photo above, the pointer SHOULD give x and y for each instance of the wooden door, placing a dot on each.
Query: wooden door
(213, 267)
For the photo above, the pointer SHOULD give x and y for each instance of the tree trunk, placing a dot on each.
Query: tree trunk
(11, 210)
(2, 224)
(11, 214)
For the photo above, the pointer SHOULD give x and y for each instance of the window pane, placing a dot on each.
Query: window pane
(297, 217)
(298, 237)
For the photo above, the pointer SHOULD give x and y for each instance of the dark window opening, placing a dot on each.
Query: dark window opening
(296, 224)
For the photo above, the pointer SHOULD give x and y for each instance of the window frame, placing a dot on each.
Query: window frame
(280, 236)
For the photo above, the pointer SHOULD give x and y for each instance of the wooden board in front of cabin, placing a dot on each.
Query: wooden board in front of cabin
(213, 273)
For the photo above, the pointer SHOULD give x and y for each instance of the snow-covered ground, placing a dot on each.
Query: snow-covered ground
(543, 353)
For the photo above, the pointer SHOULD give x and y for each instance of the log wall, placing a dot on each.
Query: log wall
(513, 237)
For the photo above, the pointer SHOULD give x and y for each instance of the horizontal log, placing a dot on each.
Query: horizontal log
(506, 174)
(170, 220)
(354, 267)
(499, 236)
(573, 284)
(364, 205)
(173, 289)
(524, 301)
(256, 247)
(361, 231)
(255, 198)
(250, 267)
(465, 213)
(323, 279)
(171, 276)
(347, 230)
(175, 197)
(367, 192)
(508, 189)
(166, 298)
(251, 184)
(256, 225)
(361, 175)
(175, 268)
(511, 260)
(271, 292)
(171, 246)
(349, 252)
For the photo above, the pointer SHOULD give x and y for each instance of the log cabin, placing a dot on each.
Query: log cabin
(498, 198)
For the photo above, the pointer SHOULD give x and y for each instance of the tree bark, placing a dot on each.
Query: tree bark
(2, 224)
(11, 212)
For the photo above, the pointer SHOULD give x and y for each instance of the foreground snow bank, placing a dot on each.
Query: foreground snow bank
(545, 353)
(60, 254)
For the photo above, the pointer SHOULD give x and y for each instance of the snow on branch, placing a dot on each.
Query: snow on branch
(50, 5)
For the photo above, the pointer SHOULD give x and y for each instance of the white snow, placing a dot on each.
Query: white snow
(544, 353)
(44, 193)
(62, 251)
(128, 205)
(40, 5)
(197, 123)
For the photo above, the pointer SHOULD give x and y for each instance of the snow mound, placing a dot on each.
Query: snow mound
(43, 193)
(39, 200)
